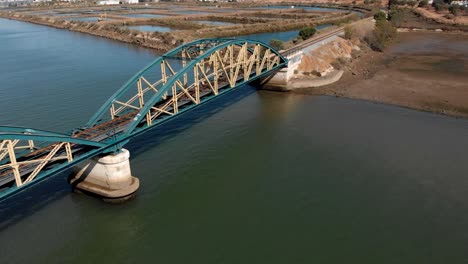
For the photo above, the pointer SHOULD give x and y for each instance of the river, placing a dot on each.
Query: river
(251, 177)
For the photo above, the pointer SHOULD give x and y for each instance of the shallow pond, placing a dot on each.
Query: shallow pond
(215, 23)
(85, 19)
(309, 8)
(191, 12)
(144, 15)
(151, 28)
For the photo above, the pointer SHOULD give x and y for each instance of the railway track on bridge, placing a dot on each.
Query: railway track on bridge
(313, 41)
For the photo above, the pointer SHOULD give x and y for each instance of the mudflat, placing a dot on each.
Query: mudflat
(420, 70)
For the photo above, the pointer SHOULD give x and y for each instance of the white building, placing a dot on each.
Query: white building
(116, 2)
(460, 3)
(108, 2)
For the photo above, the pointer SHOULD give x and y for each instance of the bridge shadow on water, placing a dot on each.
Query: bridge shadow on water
(56, 187)
(171, 128)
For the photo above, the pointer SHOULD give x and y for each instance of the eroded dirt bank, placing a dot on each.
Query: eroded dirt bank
(425, 71)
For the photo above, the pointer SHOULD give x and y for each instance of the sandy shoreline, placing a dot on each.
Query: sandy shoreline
(423, 71)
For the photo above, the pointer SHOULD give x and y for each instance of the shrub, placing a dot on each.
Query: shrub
(380, 16)
(423, 3)
(316, 73)
(439, 6)
(355, 53)
(449, 16)
(455, 10)
(306, 33)
(374, 10)
(383, 33)
(277, 44)
(349, 32)
(339, 63)
(396, 16)
(124, 30)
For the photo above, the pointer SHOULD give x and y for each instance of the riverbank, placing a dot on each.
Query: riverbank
(420, 70)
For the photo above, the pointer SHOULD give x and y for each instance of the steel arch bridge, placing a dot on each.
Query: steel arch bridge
(178, 81)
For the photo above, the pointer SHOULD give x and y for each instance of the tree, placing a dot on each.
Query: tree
(277, 44)
(306, 33)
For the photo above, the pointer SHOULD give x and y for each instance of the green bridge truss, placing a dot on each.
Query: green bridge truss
(176, 82)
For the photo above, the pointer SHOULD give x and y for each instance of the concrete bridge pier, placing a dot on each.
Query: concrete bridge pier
(107, 176)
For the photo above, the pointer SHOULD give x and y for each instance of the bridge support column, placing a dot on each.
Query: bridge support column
(106, 176)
